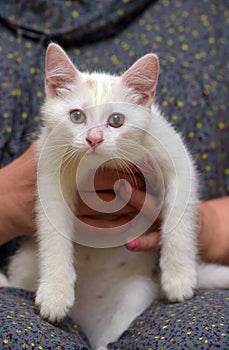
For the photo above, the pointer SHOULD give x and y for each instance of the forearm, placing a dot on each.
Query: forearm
(17, 196)
(7, 225)
(214, 230)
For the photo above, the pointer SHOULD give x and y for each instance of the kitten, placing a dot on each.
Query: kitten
(88, 120)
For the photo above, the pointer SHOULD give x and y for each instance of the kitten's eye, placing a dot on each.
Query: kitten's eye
(116, 120)
(77, 116)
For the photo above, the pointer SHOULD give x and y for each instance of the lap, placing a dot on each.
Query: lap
(201, 322)
(23, 328)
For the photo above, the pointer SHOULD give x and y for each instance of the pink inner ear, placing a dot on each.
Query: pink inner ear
(60, 71)
(142, 77)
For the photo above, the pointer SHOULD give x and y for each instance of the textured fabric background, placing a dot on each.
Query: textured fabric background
(191, 39)
(199, 323)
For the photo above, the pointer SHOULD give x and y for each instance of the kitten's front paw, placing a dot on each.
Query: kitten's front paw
(178, 287)
(54, 301)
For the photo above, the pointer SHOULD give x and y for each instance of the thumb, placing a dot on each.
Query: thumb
(148, 242)
(140, 200)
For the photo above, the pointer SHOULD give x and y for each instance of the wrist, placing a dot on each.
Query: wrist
(7, 227)
(17, 196)
(214, 230)
(206, 230)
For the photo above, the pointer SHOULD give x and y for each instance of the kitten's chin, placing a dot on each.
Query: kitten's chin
(95, 157)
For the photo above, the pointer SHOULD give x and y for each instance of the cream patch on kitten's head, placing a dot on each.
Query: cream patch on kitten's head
(98, 110)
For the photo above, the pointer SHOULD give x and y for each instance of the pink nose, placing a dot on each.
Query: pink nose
(94, 142)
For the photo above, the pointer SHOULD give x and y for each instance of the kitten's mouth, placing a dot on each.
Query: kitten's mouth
(93, 150)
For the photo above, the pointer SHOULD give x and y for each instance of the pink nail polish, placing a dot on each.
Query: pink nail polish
(134, 244)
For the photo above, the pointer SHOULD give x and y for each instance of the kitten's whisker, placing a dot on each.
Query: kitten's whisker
(69, 160)
(128, 167)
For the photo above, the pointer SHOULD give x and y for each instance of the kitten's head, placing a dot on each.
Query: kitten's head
(99, 113)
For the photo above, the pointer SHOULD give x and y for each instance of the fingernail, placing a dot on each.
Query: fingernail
(128, 187)
(134, 244)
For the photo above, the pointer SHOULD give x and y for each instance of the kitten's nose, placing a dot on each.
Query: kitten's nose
(94, 137)
(93, 142)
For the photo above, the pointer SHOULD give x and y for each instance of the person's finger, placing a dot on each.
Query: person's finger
(105, 221)
(105, 179)
(116, 227)
(151, 241)
(90, 208)
(140, 200)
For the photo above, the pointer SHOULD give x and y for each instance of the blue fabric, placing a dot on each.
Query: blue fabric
(191, 39)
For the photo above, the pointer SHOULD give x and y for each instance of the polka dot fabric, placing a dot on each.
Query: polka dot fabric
(200, 323)
(191, 40)
(22, 328)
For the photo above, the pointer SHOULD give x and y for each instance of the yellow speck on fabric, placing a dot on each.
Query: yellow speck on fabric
(221, 125)
(16, 92)
(204, 156)
(180, 103)
(185, 47)
(75, 14)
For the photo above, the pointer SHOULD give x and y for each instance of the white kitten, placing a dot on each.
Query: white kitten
(107, 117)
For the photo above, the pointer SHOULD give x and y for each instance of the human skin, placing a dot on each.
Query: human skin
(213, 231)
(18, 197)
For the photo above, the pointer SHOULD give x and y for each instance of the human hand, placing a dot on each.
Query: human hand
(151, 240)
(18, 196)
(104, 181)
(213, 232)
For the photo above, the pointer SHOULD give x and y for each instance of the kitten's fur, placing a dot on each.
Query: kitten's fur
(105, 289)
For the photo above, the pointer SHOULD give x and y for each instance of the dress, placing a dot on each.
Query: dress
(191, 40)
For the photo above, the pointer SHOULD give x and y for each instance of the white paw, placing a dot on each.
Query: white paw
(178, 287)
(54, 301)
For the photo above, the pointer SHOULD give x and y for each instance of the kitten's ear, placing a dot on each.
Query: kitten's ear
(142, 77)
(59, 70)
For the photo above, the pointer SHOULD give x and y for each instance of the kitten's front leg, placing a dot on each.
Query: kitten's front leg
(55, 294)
(178, 242)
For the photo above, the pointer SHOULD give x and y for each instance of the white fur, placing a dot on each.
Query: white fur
(4, 282)
(105, 289)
